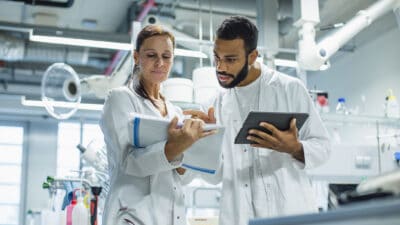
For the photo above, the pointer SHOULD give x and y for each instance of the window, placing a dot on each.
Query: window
(67, 153)
(92, 132)
(70, 134)
(11, 159)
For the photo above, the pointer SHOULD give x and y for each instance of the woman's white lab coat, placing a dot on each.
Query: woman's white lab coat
(145, 187)
(259, 182)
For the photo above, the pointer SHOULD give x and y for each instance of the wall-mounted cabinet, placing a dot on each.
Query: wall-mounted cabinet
(362, 147)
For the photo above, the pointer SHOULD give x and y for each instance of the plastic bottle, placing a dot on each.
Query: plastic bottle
(392, 109)
(80, 214)
(94, 205)
(94, 157)
(322, 103)
(69, 210)
(341, 106)
(63, 217)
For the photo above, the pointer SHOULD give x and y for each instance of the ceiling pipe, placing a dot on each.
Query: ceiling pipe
(118, 55)
(66, 4)
(146, 9)
(313, 55)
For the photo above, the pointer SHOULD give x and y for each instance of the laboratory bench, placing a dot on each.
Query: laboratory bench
(373, 212)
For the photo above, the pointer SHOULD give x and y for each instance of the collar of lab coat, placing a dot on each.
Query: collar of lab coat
(229, 103)
(147, 103)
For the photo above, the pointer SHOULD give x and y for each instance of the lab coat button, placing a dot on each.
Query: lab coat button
(178, 217)
(246, 185)
(174, 188)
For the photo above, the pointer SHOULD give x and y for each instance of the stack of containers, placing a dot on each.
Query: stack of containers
(178, 89)
(206, 86)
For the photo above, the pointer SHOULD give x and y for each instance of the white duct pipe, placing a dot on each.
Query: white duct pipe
(313, 55)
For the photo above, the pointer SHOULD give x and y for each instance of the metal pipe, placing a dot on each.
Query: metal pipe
(66, 4)
(200, 32)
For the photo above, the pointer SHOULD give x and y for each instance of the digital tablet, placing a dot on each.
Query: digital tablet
(278, 119)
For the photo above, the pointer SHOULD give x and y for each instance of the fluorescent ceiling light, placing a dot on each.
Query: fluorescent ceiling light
(295, 64)
(397, 13)
(286, 63)
(80, 42)
(102, 44)
(70, 105)
(190, 53)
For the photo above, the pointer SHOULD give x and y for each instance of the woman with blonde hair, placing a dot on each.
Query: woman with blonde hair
(146, 182)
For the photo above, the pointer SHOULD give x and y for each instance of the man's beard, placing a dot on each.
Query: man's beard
(239, 77)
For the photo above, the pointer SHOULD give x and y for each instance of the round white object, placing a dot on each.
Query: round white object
(206, 86)
(61, 93)
(178, 89)
(205, 77)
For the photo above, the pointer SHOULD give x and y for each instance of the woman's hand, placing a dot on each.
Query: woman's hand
(181, 138)
(208, 118)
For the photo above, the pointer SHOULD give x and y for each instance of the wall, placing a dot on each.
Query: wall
(370, 70)
(42, 161)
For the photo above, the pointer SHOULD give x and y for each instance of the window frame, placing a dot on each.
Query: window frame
(82, 123)
(24, 166)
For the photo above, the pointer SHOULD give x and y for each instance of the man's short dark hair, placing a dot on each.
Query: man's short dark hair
(239, 27)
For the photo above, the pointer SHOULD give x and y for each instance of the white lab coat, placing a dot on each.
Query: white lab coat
(145, 187)
(259, 182)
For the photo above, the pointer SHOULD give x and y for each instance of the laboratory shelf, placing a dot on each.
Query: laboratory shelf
(366, 119)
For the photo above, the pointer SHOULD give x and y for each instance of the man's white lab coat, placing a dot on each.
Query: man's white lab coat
(259, 182)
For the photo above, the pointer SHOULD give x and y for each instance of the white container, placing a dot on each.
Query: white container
(205, 77)
(49, 217)
(205, 85)
(205, 96)
(392, 107)
(341, 107)
(80, 214)
(178, 89)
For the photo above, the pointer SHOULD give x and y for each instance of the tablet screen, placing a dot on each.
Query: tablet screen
(278, 119)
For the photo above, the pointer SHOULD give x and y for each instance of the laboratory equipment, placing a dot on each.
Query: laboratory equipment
(178, 89)
(58, 89)
(320, 98)
(382, 212)
(77, 200)
(94, 205)
(95, 156)
(52, 213)
(205, 85)
(62, 89)
(322, 103)
(389, 182)
(380, 187)
(80, 214)
(99, 85)
(68, 212)
(397, 158)
(341, 107)
(313, 55)
(392, 109)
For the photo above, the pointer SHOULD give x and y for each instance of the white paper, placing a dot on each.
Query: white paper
(204, 155)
